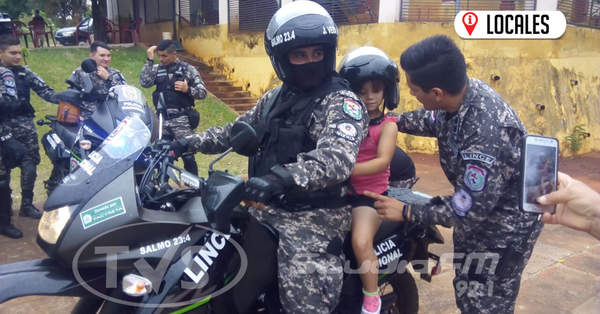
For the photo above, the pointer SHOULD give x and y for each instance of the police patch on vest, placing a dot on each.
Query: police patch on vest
(461, 202)
(475, 177)
(352, 109)
(8, 81)
(11, 91)
(347, 131)
(478, 156)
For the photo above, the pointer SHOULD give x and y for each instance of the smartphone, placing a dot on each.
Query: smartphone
(539, 170)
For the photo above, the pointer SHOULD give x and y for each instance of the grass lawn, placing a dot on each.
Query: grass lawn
(56, 65)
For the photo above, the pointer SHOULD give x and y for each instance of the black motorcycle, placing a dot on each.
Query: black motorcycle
(129, 232)
(70, 139)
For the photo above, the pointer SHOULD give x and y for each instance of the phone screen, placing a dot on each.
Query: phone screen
(540, 173)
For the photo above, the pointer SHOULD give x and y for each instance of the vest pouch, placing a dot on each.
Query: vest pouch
(193, 118)
(291, 140)
(12, 150)
(67, 113)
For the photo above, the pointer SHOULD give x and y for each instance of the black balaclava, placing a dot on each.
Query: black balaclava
(308, 76)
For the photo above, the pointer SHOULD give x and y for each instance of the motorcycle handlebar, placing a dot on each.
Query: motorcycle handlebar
(75, 85)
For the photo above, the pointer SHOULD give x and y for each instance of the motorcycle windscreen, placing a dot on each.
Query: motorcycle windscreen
(114, 156)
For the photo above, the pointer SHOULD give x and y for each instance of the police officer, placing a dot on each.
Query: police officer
(20, 121)
(478, 136)
(180, 84)
(11, 151)
(105, 78)
(310, 130)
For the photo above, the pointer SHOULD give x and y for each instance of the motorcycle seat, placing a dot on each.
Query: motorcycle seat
(67, 133)
(51, 118)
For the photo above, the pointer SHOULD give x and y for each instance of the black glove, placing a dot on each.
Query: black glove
(262, 189)
(179, 147)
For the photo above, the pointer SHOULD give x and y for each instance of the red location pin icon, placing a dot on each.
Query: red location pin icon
(469, 20)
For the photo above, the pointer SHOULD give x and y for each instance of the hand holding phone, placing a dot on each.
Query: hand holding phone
(539, 168)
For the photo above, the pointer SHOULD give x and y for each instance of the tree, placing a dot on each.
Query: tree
(99, 14)
(14, 7)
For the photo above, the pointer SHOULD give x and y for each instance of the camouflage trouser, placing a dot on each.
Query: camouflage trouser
(482, 291)
(309, 257)
(177, 128)
(88, 108)
(407, 184)
(23, 130)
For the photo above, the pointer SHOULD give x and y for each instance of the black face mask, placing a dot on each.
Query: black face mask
(308, 76)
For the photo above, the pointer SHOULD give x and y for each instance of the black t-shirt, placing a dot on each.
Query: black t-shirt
(402, 166)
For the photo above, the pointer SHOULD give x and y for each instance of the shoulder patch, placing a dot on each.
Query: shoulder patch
(461, 202)
(478, 156)
(347, 131)
(352, 109)
(39, 79)
(197, 80)
(8, 81)
(475, 177)
(432, 116)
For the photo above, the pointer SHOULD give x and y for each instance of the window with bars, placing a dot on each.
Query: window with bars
(584, 13)
(251, 15)
(446, 10)
(199, 12)
(346, 12)
(157, 11)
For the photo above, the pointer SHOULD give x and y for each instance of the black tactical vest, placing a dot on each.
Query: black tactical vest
(23, 85)
(165, 83)
(283, 133)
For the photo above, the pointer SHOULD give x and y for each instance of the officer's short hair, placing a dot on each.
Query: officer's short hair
(98, 44)
(435, 62)
(7, 41)
(166, 45)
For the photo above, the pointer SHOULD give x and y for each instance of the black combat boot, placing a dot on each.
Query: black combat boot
(27, 208)
(6, 226)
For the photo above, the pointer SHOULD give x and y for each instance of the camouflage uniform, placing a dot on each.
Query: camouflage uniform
(114, 78)
(178, 126)
(8, 101)
(310, 276)
(23, 128)
(480, 154)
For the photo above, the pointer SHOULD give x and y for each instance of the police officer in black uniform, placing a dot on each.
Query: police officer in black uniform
(180, 84)
(20, 121)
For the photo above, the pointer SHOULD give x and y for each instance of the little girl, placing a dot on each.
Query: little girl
(374, 77)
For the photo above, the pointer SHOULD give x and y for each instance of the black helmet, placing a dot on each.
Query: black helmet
(300, 24)
(368, 63)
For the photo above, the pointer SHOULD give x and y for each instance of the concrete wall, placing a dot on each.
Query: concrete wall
(531, 71)
(152, 33)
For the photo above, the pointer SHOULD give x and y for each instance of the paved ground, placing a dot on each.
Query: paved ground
(563, 275)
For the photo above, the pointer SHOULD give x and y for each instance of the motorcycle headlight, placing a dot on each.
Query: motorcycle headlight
(52, 224)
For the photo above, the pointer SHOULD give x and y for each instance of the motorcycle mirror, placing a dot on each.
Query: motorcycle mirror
(243, 139)
(89, 65)
(40, 122)
(161, 103)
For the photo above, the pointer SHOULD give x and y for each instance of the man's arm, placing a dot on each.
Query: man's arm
(116, 78)
(8, 92)
(196, 87)
(39, 86)
(420, 122)
(148, 74)
(486, 166)
(332, 161)
(216, 139)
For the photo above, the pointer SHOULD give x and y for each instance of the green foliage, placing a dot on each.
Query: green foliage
(576, 137)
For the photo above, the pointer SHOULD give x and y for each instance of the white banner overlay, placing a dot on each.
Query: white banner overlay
(510, 24)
